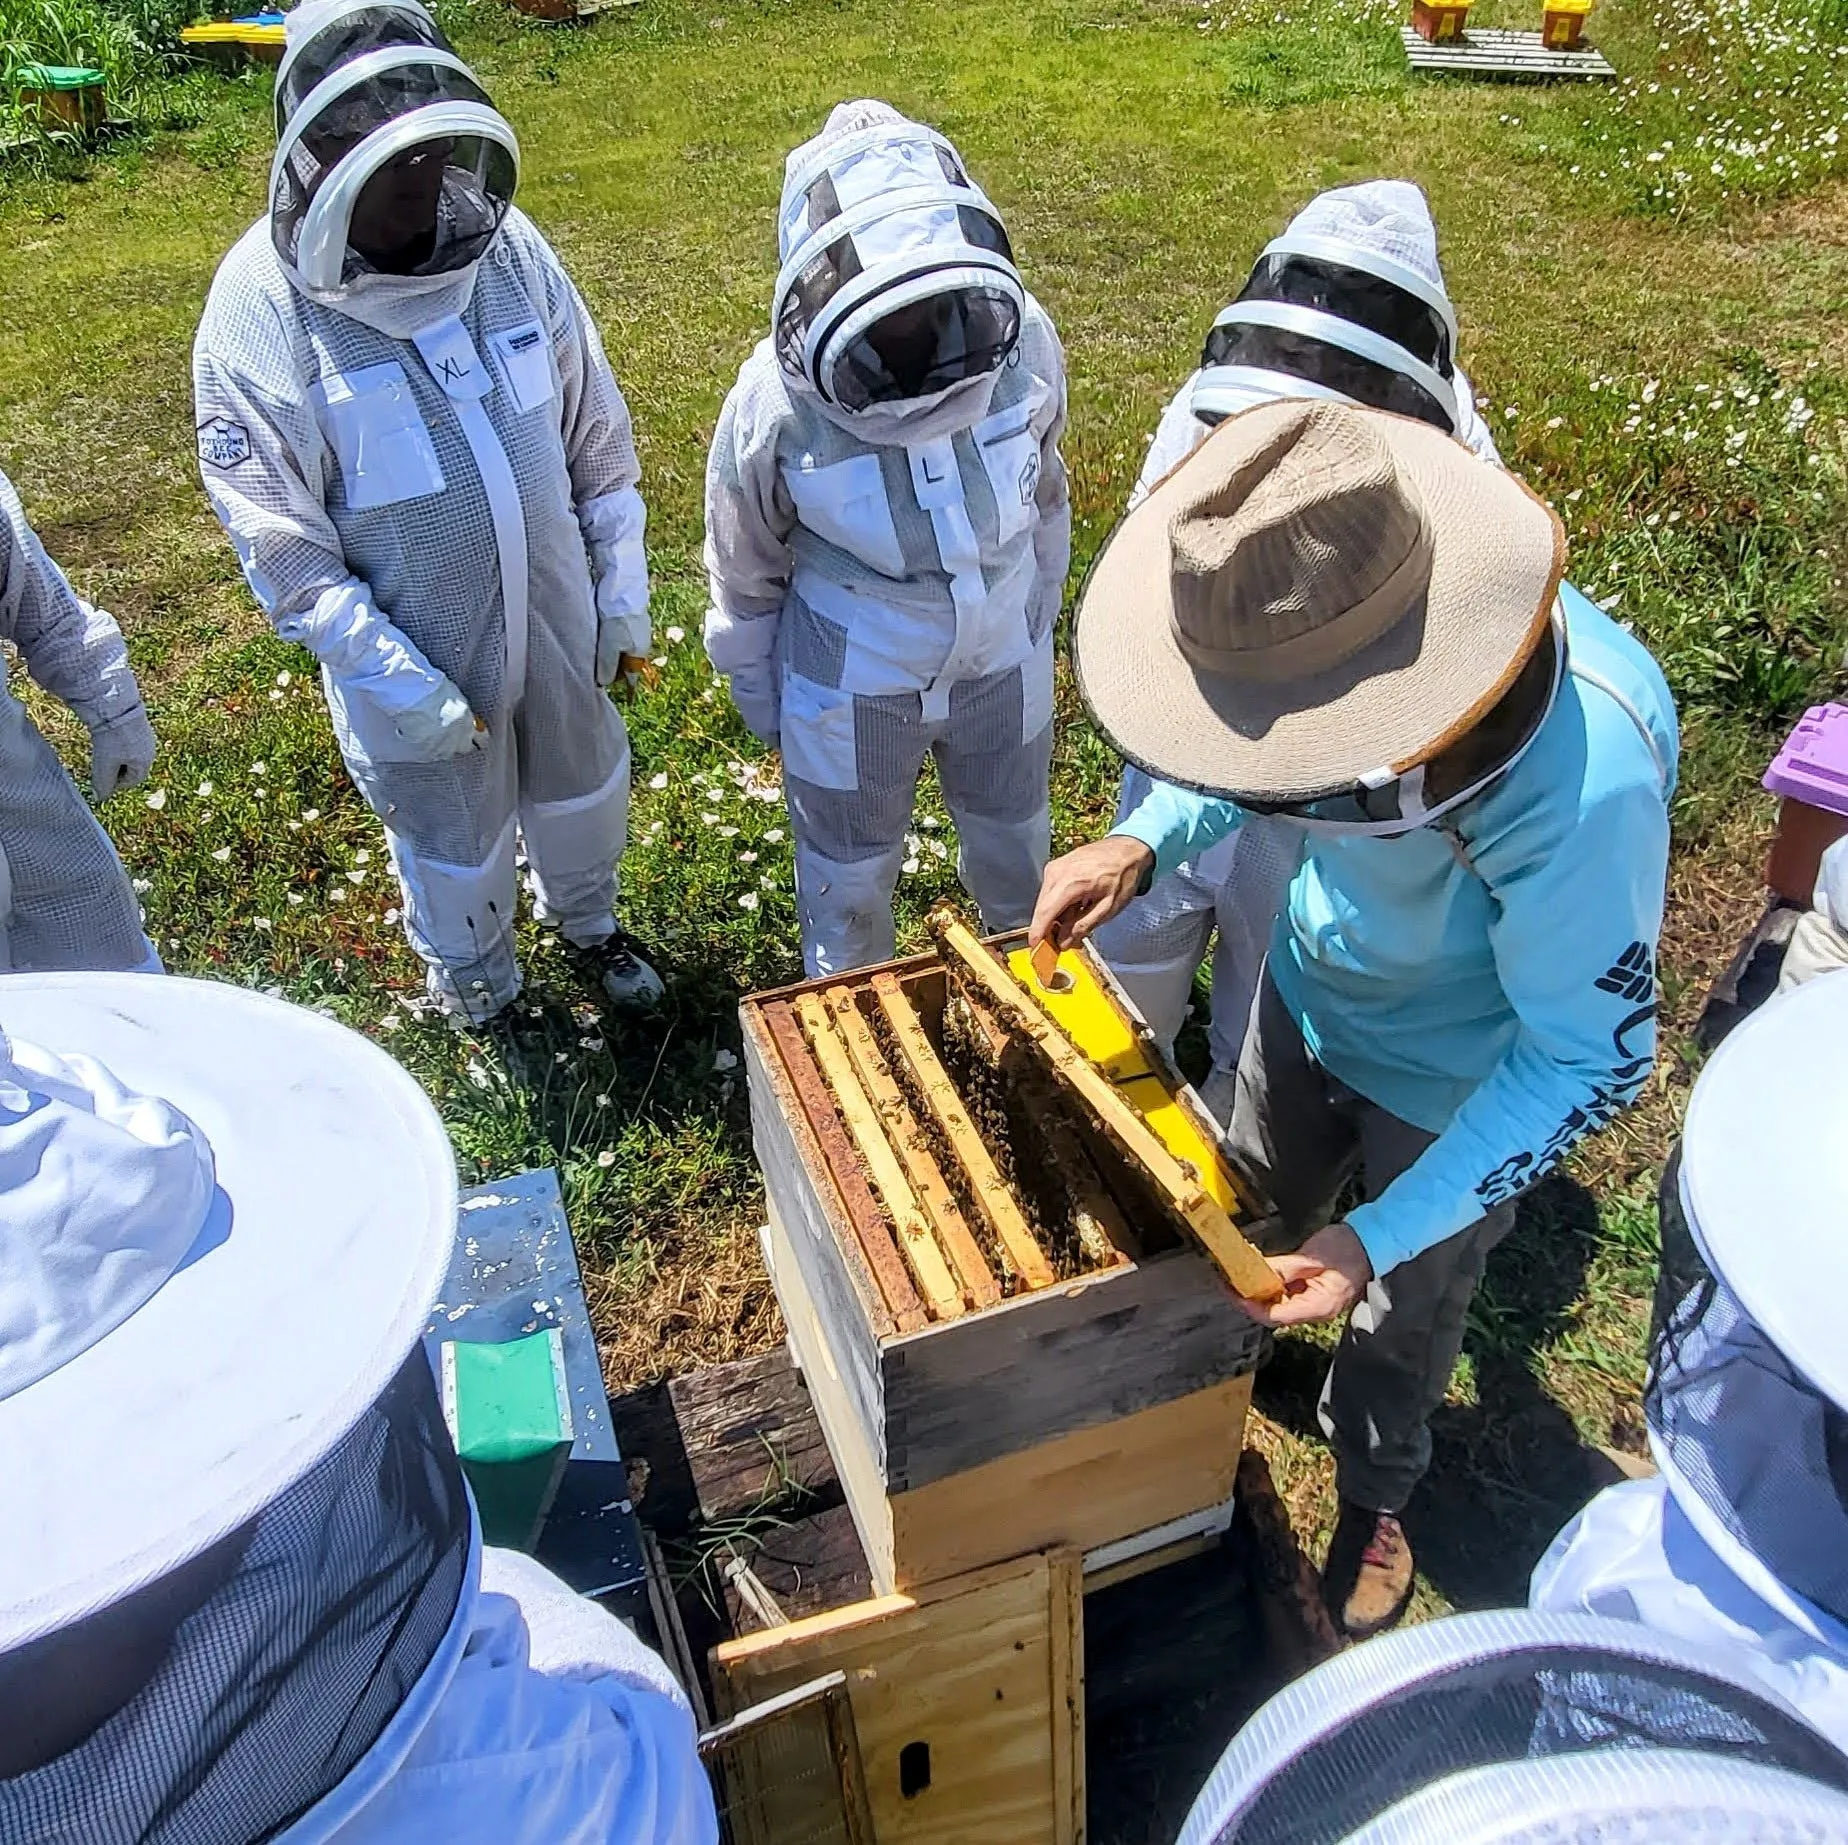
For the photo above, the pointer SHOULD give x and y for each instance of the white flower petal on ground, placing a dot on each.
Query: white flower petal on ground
(362, 857)
(222, 855)
(774, 837)
(909, 867)
(606, 1159)
(311, 813)
(142, 887)
(356, 877)
(205, 791)
(295, 897)
(728, 832)
(284, 678)
(259, 768)
(748, 901)
(390, 916)
(658, 782)
(676, 636)
(158, 799)
(744, 858)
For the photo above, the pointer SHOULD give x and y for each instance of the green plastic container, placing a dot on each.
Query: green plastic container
(508, 1407)
(67, 95)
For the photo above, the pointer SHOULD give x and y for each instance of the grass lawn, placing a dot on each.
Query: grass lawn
(1649, 278)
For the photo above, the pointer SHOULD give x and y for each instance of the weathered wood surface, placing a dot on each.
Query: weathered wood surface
(1084, 1352)
(993, 1196)
(809, 1566)
(750, 1436)
(1485, 51)
(791, 1078)
(984, 1673)
(818, 1262)
(1243, 1267)
(929, 1270)
(854, 1428)
(979, 1286)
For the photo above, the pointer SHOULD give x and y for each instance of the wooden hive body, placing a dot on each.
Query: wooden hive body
(1103, 1411)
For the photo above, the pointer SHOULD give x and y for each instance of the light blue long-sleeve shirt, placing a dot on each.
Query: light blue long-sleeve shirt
(1489, 977)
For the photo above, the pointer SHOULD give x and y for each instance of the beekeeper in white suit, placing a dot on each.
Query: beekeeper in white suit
(65, 900)
(243, 1592)
(1348, 304)
(887, 530)
(409, 429)
(1740, 1540)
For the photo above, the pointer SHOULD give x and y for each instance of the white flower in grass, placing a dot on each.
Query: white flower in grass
(356, 877)
(275, 698)
(478, 1073)
(658, 782)
(774, 837)
(295, 897)
(205, 790)
(660, 659)
(722, 1059)
(748, 901)
(362, 857)
(910, 867)
(392, 1021)
(311, 813)
(336, 893)
(158, 799)
(744, 858)
(283, 679)
(728, 832)
(606, 1159)
(222, 855)
(259, 768)
(676, 636)
(142, 887)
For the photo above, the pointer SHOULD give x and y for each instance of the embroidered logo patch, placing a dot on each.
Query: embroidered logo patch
(223, 443)
(1029, 480)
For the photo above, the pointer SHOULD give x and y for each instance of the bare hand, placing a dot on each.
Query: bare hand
(1321, 1281)
(1086, 888)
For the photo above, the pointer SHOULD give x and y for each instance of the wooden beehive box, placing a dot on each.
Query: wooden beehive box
(1070, 1391)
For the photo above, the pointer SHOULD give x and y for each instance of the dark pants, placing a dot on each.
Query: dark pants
(1305, 1133)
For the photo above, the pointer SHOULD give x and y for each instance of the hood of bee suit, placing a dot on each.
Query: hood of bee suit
(393, 171)
(897, 301)
(1348, 302)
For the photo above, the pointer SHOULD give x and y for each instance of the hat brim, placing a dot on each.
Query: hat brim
(307, 1288)
(1764, 1173)
(1498, 555)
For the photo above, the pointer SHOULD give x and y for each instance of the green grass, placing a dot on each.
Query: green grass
(1666, 367)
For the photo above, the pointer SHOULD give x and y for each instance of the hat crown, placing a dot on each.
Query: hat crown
(1293, 556)
(103, 1192)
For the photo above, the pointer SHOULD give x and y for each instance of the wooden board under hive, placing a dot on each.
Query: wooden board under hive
(1010, 1384)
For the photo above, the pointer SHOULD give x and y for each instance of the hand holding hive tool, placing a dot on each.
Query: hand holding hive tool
(1247, 1272)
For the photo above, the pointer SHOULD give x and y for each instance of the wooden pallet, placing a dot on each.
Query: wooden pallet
(1494, 53)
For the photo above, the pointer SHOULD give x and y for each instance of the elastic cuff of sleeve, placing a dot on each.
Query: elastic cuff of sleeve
(1129, 830)
(1385, 1250)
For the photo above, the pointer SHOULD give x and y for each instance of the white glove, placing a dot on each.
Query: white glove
(121, 752)
(618, 635)
(439, 724)
(758, 695)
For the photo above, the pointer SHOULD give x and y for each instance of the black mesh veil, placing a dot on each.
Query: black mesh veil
(1372, 1727)
(391, 158)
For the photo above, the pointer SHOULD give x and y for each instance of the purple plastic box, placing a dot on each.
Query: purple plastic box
(1812, 767)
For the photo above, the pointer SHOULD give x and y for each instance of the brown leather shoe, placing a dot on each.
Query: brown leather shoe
(1368, 1576)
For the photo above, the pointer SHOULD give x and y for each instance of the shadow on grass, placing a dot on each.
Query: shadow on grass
(1508, 1468)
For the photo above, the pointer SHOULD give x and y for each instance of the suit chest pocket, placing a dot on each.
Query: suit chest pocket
(846, 504)
(371, 421)
(525, 360)
(1010, 453)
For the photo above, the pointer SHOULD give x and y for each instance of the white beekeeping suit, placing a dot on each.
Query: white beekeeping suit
(65, 900)
(1348, 304)
(1740, 1539)
(409, 429)
(888, 530)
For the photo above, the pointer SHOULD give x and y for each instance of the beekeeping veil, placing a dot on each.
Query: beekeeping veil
(1516, 1725)
(898, 296)
(235, 1545)
(1747, 1402)
(393, 171)
(1348, 303)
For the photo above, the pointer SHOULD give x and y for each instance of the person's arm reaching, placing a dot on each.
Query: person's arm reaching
(1083, 890)
(749, 519)
(1574, 938)
(261, 455)
(74, 651)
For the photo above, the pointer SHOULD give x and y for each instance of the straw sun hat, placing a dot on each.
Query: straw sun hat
(1318, 598)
